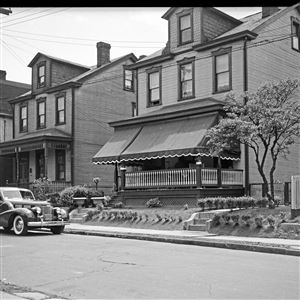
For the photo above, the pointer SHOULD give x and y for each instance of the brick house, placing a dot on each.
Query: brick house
(162, 151)
(8, 90)
(60, 123)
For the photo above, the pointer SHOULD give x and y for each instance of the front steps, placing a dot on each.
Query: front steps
(79, 215)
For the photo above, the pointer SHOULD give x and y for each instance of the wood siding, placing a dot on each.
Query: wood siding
(101, 99)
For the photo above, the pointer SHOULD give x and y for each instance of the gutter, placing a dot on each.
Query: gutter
(150, 61)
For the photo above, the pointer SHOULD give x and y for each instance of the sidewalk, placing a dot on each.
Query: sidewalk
(199, 238)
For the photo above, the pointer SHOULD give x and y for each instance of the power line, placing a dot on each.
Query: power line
(36, 17)
(12, 52)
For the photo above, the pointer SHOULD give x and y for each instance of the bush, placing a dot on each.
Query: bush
(201, 203)
(271, 221)
(209, 203)
(54, 199)
(259, 221)
(226, 219)
(216, 220)
(246, 219)
(68, 193)
(235, 219)
(40, 188)
(154, 202)
(119, 204)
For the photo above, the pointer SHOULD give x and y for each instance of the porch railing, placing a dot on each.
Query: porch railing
(182, 178)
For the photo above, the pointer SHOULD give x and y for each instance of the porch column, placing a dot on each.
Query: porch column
(123, 171)
(199, 173)
(46, 159)
(17, 166)
(219, 172)
(116, 175)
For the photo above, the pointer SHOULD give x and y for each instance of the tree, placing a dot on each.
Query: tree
(267, 121)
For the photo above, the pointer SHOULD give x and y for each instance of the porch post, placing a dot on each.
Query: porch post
(123, 171)
(17, 166)
(199, 172)
(46, 159)
(219, 172)
(116, 187)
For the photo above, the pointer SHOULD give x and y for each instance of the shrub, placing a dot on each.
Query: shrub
(216, 220)
(209, 203)
(271, 221)
(277, 200)
(154, 202)
(264, 202)
(226, 219)
(229, 203)
(68, 193)
(201, 203)
(54, 199)
(40, 188)
(221, 203)
(259, 221)
(235, 219)
(246, 219)
(119, 204)
(216, 203)
(282, 216)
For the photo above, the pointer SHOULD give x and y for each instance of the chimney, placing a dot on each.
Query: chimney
(2, 75)
(268, 11)
(103, 53)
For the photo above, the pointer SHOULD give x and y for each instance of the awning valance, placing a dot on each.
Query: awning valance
(173, 138)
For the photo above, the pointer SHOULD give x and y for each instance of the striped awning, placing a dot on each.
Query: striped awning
(173, 138)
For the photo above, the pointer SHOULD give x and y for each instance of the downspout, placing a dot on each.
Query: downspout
(246, 147)
(137, 92)
(72, 135)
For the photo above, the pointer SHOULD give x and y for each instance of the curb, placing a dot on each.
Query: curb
(247, 246)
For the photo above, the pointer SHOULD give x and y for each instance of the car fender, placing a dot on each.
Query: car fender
(8, 216)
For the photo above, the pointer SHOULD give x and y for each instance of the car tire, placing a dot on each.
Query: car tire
(57, 229)
(19, 225)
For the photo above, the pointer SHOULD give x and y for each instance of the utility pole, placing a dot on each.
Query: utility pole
(5, 11)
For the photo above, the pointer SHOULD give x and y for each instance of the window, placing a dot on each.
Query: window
(60, 161)
(41, 113)
(185, 30)
(60, 110)
(23, 118)
(222, 71)
(154, 87)
(295, 34)
(186, 79)
(128, 80)
(41, 74)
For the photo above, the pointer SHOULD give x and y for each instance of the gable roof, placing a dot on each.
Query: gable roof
(39, 54)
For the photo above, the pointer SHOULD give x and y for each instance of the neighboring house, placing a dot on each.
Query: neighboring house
(8, 90)
(162, 152)
(62, 121)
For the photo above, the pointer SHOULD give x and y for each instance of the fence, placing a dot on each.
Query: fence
(281, 190)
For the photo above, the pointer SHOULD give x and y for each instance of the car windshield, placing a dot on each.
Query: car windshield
(19, 195)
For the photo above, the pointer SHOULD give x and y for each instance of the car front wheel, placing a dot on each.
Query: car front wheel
(19, 225)
(57, 229)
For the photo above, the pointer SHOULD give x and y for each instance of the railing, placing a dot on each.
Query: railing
(182, 178)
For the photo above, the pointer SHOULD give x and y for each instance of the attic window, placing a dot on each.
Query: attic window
(295, 34)
(185, 30)
(41, 71)
(128, 80)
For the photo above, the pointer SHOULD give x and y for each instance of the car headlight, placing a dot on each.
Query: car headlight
(37, 210)
(63, 213)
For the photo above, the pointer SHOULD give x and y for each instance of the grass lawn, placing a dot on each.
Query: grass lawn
(180, 214)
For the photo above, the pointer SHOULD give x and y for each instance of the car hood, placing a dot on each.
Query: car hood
(28, 202)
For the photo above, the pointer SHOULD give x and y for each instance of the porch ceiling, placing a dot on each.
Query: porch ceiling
(173, 138)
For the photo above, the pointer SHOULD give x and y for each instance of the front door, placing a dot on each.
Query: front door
(24, 167)
(40, 164)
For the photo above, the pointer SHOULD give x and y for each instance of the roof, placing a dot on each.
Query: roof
(39, 54)
(49, 132)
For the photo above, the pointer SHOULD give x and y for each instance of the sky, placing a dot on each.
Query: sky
(71, 33)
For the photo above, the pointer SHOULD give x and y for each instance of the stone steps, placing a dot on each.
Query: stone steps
(197, 227)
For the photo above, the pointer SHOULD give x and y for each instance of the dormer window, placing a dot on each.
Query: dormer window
(185, 29)
(128, 80)
(41, 73)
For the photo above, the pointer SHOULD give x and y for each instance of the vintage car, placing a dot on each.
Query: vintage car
(20, 211)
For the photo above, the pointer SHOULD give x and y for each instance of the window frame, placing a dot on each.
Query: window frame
(39, 84)
(57, 164)
(188, 12)
(21, 128)
(131, 89)
(215, 54)
(149, 72)
(38, 102)
(57, 123)
(297, 22)
(186, 61)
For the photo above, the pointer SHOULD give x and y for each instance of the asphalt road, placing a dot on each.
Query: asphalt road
(89, 267)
